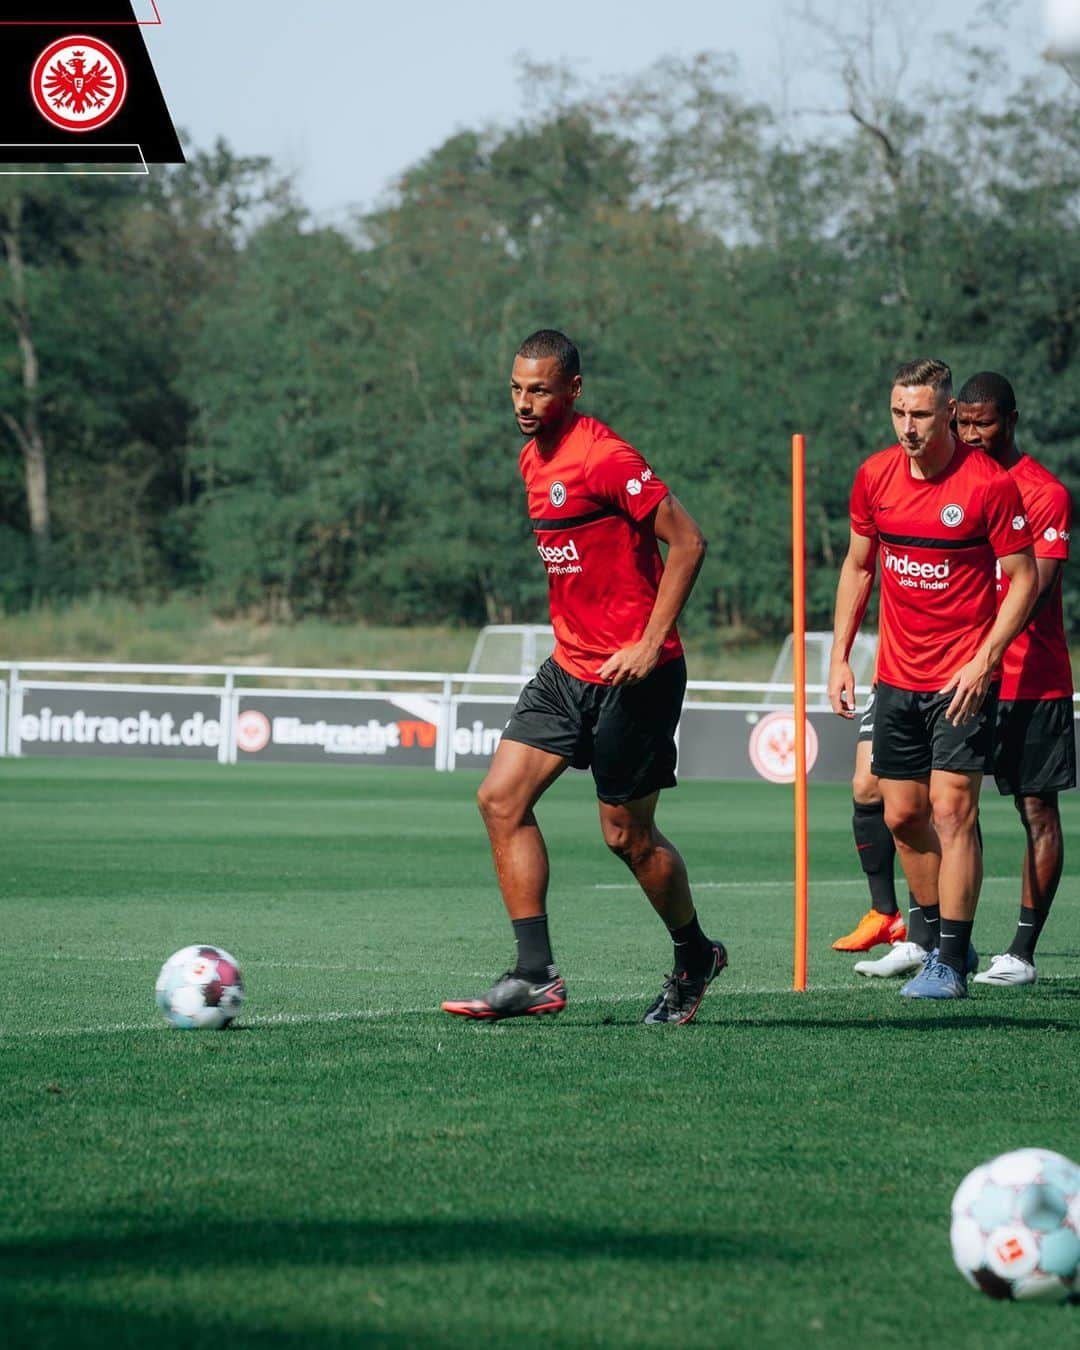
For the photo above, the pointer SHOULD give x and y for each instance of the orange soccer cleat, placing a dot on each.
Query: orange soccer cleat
(873, 928)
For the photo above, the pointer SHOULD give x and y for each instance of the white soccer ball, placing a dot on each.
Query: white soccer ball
(200, 987)
(1016, 1226)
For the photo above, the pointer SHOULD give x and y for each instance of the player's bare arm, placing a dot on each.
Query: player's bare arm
(1049, 569)
(972, 680)
(852, 596)
(675, 527)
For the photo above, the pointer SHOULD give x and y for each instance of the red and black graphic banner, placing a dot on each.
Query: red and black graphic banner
(77, 86)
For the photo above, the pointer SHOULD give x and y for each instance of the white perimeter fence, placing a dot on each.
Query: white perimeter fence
(434, 719)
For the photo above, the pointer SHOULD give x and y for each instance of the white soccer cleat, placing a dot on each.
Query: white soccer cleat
(901, 959)
(1008, 969)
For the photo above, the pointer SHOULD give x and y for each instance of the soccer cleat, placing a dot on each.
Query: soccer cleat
(898, 929)
(935, 980)
(1008, 969)
(901, 959)
(871, 930)
(681, 995)
(512, 995)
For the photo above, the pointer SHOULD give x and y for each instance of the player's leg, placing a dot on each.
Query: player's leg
(633, 758)
(909, 815)
(1044, 858)
(537, 746)
(960, 756)
(1034, 759)
(630, 831)
(876, 851)
(955, 801)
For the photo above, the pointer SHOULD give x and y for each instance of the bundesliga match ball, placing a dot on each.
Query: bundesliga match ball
(1016, 1226)
(200, 987)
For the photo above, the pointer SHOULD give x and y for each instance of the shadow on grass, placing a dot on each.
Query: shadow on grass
(145, 1272)
(74, 1327)
(368, 1243)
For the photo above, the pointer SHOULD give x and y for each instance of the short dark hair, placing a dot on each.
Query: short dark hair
(550, 342)
(926, 370)
(989, 387)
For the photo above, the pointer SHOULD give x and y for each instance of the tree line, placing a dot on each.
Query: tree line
(202, 389)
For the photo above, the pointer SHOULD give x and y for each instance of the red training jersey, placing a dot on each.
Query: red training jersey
(939, 538)
(1036, 664)
(591, 504)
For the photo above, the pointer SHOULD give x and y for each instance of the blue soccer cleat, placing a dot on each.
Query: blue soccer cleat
(936, 980)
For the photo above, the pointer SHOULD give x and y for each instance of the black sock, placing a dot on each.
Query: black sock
(923, 924)
(955, 940)
(1028, 928)
(534, 957)
(693, 950)
(876, 849)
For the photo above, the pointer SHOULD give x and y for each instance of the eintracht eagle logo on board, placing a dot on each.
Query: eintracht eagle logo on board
(78, 83)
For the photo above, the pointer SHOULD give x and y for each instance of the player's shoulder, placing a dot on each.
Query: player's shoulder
(1031, 473)
(590, 433)
(881, 463)
(977, 464)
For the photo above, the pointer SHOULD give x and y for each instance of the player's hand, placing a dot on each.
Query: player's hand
(970, 684)
(842, 689)
(630, 665)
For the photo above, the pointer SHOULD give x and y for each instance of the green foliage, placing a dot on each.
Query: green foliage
(313, 421)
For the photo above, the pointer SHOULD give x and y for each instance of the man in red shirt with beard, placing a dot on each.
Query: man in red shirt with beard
(610, 696)
(943, 516)
(1035, 747)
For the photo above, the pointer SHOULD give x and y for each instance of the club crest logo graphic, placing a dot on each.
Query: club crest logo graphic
(1018, 522)
(557, 494)
(78, 83)
(772, 747)
(952, 515)
(252, 731)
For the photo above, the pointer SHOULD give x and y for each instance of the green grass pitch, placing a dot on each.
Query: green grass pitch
(354, 1168)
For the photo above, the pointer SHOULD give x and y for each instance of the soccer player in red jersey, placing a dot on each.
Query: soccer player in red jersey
(610, 696)
(1035, 747)
(942, 516)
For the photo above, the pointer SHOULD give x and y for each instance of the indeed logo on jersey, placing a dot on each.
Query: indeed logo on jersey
(561, 559)
(924, 576)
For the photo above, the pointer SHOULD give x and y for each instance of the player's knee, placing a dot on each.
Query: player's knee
(904, 818)
(955, 815)
(1040, 815)
(865, 787)
(496, 805)
(627, 841)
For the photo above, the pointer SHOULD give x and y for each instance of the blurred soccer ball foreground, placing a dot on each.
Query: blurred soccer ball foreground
(200, 986)
(1016, 1226)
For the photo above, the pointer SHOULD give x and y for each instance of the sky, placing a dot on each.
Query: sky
(346, 94)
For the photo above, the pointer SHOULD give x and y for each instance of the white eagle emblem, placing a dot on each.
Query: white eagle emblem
(78, 83)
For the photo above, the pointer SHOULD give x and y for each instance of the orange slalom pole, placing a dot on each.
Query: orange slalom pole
(798, 637)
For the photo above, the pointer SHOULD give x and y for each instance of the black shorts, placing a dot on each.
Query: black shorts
(626, 735)
(1035, 747)
(866, 721)
(912, 737)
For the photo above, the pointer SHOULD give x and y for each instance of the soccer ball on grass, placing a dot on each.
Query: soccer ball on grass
(200, 987)
(1016, 1226)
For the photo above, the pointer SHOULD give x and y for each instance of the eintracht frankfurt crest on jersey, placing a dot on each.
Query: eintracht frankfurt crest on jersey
(78, 83)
